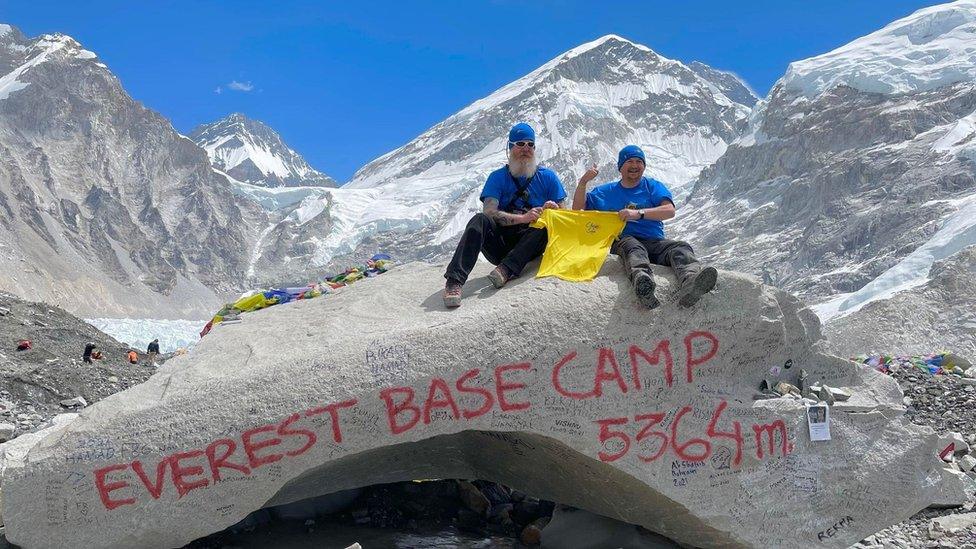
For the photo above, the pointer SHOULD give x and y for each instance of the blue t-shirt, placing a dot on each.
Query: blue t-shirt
(545, 185)
(649, 193)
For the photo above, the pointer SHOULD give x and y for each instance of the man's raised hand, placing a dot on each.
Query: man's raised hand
(589, 175)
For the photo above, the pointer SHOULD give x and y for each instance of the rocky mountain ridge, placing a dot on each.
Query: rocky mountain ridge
(106, 209)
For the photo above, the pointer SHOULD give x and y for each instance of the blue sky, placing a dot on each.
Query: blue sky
(345, 82)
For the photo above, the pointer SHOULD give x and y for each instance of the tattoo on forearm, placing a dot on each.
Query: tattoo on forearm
(500, 217)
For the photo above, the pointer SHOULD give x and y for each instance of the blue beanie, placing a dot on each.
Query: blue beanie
(520, 132)
(628, 152)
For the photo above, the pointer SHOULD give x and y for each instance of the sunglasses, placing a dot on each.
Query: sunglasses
(529, 144)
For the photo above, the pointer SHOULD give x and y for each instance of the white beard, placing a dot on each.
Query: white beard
(522, 167)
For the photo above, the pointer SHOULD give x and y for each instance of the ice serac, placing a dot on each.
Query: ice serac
(857, 159)
(250, 151)
(571, 392)
(104, 208)
(584, 105)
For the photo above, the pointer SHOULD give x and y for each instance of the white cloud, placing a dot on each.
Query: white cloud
(240, 86)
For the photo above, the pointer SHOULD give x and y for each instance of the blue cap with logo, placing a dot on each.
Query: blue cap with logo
(628, 152)
(520, 132)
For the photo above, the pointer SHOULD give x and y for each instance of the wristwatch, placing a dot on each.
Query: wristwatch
(642, 213)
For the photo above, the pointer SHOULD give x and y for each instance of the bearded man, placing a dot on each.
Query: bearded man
(513, 197)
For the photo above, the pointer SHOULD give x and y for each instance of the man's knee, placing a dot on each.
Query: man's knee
(480, 220)
(626, 244)
(536, 235)
(478, 224)
(684, 247)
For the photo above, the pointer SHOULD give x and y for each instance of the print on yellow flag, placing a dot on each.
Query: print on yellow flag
(578, 242)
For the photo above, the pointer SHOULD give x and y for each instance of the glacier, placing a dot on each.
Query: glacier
(138, 332)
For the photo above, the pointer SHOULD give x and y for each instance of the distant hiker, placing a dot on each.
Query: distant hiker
(133, 357)
(645, 203)
(87, 356)
(152, 351)
(96, 355)
(513, 197)
(24, 345)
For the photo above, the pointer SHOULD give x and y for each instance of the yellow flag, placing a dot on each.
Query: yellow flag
(578, 242)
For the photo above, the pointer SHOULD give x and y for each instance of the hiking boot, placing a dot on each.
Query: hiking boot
(644, 288)
(499, 276)
(696, 285)
(452, 294)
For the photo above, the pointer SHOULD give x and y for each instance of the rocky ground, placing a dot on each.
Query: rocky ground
(34, 382)
(947, 404)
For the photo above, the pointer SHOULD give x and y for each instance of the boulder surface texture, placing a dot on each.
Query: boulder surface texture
(569, 391)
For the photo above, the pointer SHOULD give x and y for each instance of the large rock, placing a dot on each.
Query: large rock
(13, 453)
(571, 392)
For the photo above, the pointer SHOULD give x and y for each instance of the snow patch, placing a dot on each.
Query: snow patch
(273, 198)
(49, 44)
(231, 157)
(309, 209)
(907, 106)
(960, 139)
(460, 219)
(9, 84)
(256, 252)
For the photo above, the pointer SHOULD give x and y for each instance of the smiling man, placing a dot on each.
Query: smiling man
(644, 203)
(513, 197)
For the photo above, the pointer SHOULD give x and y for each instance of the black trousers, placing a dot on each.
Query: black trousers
(639, 253)
(512, 246)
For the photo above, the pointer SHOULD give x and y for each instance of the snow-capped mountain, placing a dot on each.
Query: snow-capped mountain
(859, 168)
(250, 151)
(104, 208)
(585, 105)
